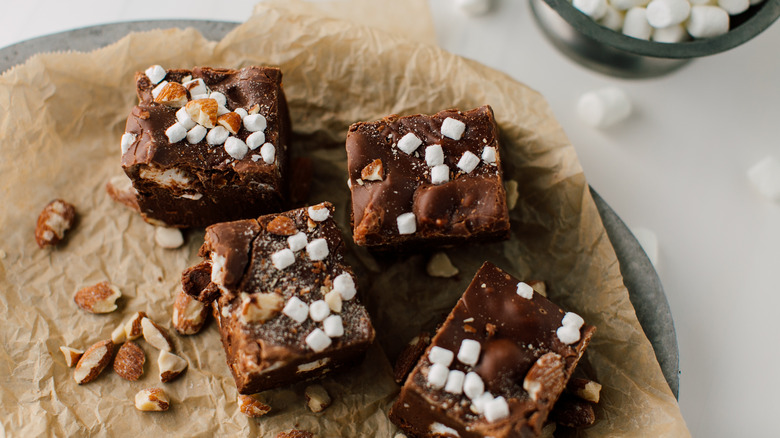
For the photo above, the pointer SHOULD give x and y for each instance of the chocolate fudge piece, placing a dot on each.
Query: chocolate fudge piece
(207, 145)
(496, 366)
(427, 180)
(287, 309)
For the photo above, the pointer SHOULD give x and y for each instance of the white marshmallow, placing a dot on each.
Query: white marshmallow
(200, 96)
(525, 290)
(296, 309)
(317, 340)
(318, 213)
(612, 19)
(407, 223)
(236, 148)
(255, 122)
(196, 134)
(734, 7)
(219, 97)
(478, 404)
(176, 133)
(473, 386)
(469, 352)
(217, 135)
(594, 9)
(764, 176)
(127, 140)
(649, 241)
(184, 118)
(468, 162)
(156, 90)
(317, 249)
(496, 409)
(319, 310)
(489, 154)
(222, 109)
(675, 33)
(665, 13)
(196, 86)
(409, 143)
(568, 334)
(707, 22)
(635, 24)
(297, 241)
(440, 174)
(155, 73)
(434, 155)
(441, 356)
(333, 326)
(344, 284)
(241, 112)
(437, 375)
(283, 258)
(255, 140)
(624, 5)
(169, 238)
(604, 107)
(455, 382)
(571, 319)
(473, 8)
(268, 152)
(452, 128)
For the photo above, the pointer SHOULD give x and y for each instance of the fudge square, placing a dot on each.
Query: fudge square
(287, 309)
(427, 180)
(496, 366)
(207, 145)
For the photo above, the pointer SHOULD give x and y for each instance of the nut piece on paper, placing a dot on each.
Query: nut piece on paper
(440, 266)
(545, 376)
(252, 407)
(93, 362)
(129, 361)
(585, 389)
(152, 400)
(169, 238)
(133, 329)
(189, 314)
(156, 335)
(98, 298)
(72, 355)
(57, 217)
(317, 398)
(171, 366)
(121, 190)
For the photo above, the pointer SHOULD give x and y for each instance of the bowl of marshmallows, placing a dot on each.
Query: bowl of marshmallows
(642, 38)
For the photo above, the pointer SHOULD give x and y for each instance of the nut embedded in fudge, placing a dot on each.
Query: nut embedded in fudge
(496, 366)
(287, 309)
(427, 180)
(207, 145)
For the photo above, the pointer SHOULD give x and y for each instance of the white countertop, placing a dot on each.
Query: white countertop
(677, 167)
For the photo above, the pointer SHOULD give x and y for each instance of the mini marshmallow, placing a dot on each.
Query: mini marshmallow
(283, 258)
(649, 241)
(455, 382)
(568, 334)
(468, 162)
(196, 134)
(219, 97)
(333, 326)
(344, 284)
(217, 136)
(489, 154)
(221, 110)
(156, 90)
(612, 19)
(297, 241)
(409, 143)
(594, 9)
(441, 356)
(473, 386)
(437, 375)
(604, 107)
(169, 238)
(268, 152)
(317, 249)
(176, 133)
(155, 73)
(255, 122)
(525, 290)
(236, 148)
(478, 404)
(241, 112)
(127, 140)
(734, 7)
(407, 223)
(296, 309)
(319, 310)
(764, 176)
(317, 340)
(184, 118)
(496, 409)
(707, 22)
(665, 13)
(318, 213)
(473, 8)
(196, 86)
(571, 319)
(255, 140)
(440, 174)
(200, 96)
(635, 24)
(469, 352)
(624, 5)
(434, 155)
(675, 33)
(452, 128)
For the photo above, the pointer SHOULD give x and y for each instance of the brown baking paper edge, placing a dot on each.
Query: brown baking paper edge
(62, 116)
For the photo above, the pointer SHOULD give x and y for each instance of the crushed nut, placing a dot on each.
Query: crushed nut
(585, 389)
(333, 299)
(374, 171)
(545, 376)
(56, 218)
(260, 307)
(171, 366)
(252, 407)
(72, 355)
(129, 361)
(173, 95)
(156, 336)
(93, 362)
(98, 298)
(133, 329)
(282, 226)
(189, 314)
(317, 398)
(152, 399)
(440, 266)
(231, 121)
(511, 193)
(203, 112)
(121, 190)
(169, 238)
(539, 287)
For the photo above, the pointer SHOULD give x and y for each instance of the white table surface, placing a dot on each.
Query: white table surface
(677, 167)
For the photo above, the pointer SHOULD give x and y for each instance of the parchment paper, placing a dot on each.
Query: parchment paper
(62, 117)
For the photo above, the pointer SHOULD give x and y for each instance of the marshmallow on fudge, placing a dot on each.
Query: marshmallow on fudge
(207, 145)
(496, 366)
(286, 302)
(427, 180)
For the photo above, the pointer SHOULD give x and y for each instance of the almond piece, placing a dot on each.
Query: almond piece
(98, 298)
(333, 300)
(252, 407)
(203, 112)
(171, 366)
(118, 335)
(374, 171)
(539, 287)
(440, 266)
(152, 400)
(260, 307)
(129, 361)
(72, 355)
(133, 329)
(56, 218)
(511, 194)
(282, 226)
(585, 389)
(317, 398)
(169, 238)
(173, 95)
(189, 314)
(93, 362)
(231, 121)
(254, 110)
(545, 376)
(156, 336)
(121, 190)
